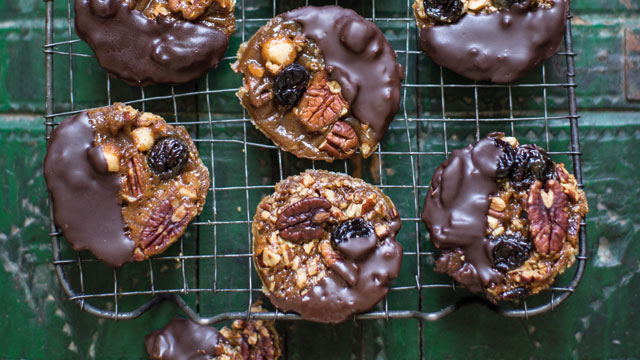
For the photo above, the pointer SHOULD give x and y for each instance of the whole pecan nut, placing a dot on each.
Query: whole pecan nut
(191, 9)
(548, 216)
(303, 221)
(321, 105)
(164, 224)
(133, 183)
(341, 142)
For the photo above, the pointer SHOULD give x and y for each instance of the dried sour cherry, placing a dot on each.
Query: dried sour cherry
(506, 159)
(290, 84)
(168, 157)
(350, 229)
(444, 11)
(524, 165)
(510, 251)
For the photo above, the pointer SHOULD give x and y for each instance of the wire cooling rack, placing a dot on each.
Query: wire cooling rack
(209, 273)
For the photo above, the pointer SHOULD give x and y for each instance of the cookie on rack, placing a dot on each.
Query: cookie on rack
(505, 216)
(146, 42)
(324, 245)
(496, 40)
(320, 82)
(124, 184)
(185, 339)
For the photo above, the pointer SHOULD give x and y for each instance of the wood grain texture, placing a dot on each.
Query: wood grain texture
(598, 321)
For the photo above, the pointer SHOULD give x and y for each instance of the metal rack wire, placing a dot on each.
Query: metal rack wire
(437, 108)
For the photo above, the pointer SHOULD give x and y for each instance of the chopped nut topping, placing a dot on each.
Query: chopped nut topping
(190, 9)
(142, 138)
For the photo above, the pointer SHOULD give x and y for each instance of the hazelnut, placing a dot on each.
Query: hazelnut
(143, 138)
(111, 156)
(476, 5)
(278, 52)
(493, 222)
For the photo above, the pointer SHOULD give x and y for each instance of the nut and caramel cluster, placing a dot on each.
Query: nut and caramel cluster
(442, 12)
(216, 13)
(163, 181)
(533, 221)
(291, 98)
(242, 340)
(299, 232)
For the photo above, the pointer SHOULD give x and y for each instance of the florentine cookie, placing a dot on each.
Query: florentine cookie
(320, 82)
(324, 245)
(184, 339)
(147, 42)
(505, 216)
(124, 184)
(496, 40)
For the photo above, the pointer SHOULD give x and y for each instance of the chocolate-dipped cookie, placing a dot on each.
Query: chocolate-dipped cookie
(183, 339)
(505, 216)
(124, 184)
(147, 42)
(324, 245)
(321, 83)
(496, 40)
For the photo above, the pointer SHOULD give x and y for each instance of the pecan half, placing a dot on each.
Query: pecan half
(304, 220)
(133, 182)
(321, 105)
(190, 9)
(164, 224)
(548, 216)
(341, 142)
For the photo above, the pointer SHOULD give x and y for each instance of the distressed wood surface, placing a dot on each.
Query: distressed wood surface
(598, 321)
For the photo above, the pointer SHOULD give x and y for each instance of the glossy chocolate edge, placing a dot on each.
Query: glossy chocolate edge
(183, 339)
(359, 58)
(502, 46)
(141, 51)
(455, 209)
(84, 194)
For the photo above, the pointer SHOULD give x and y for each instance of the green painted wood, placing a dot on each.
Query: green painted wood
(598, 321)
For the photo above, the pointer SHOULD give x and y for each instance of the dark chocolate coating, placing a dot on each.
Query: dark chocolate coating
(359, 58)
(455, 209)
(502, 46)
(141, 51)
(183, 339)
(85, 195)
(332, 299)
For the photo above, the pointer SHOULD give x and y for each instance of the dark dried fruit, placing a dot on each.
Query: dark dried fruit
(516, 293)
(444, 11)
(168, 157)
(524, 165)
(510, 251)
(304, 220)
(354, 238)
(290, 84)
(506, 160)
